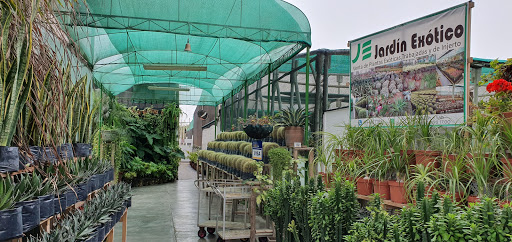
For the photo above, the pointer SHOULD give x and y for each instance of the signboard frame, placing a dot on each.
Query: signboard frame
(466, 73)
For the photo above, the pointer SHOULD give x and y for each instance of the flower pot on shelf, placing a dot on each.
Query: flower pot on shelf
(507, 116)
(365, 186)
(82, 149)
(427, 158)
(65, 151)
(382, 188)
(409, 156)
(30, 214)
(46, 206)
(258, 131)
(293, 134)
(9, 159)
(397, 192)
(109, 135)
(473, 199)
(11, 224)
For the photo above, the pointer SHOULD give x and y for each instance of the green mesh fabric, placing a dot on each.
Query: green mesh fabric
(237, 40)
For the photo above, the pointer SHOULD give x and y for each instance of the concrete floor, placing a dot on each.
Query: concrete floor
(166, 212)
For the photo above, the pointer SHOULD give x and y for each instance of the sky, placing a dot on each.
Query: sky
(335, 22)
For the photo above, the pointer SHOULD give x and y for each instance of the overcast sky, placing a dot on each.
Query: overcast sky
(335, 22)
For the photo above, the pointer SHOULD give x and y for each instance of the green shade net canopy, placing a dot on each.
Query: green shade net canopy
(236, 42)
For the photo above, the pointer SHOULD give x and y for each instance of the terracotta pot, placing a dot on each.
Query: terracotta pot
(473, 199)
(397, 192)
(458, 195)
(410, 156)
(365, 186)
(502, 203)
(293, 134)
(507, 164)
(447, 162)
(382, 188)
(429, 191)
(507, 116)
(327, 178)
(426, 157)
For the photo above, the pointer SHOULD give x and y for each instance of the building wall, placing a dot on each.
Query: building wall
(197, 131)
(208, 135)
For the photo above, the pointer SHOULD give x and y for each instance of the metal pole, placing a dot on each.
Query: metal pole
(327, 63)
(246, 100)
(318, 93)
(295, 82)
(215, 115)
(274, 74)
(292, 86)
(268, 91)
(223, 117)
(306, 128)
(231, 116)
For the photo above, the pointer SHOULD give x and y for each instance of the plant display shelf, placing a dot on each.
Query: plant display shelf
(26, 170)
(48, 224)
(244, 234)
(387, 203)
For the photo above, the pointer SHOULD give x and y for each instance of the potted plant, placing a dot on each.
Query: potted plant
(293, 120)
(17, 82)
(426, 135)
(280, 160)
(499, 104)
(257, 128)
(11, 222)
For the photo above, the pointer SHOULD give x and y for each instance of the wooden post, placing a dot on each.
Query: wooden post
(124, 219)
(252, 216)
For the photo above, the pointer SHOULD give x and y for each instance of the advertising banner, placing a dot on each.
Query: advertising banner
(412, 69)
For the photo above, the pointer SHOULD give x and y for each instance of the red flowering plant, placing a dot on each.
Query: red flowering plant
(501, 88)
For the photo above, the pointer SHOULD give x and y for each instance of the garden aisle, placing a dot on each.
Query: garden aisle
(166, 212)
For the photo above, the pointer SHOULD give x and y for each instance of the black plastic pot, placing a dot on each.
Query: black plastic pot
(48, 155)
(94, 182)
(46, 206)
(30, 214)
(11, 224)
(82, 191)
(82, 149)
(9, 159)
(101, 180)
(65, 151)
(70, 198)
(59, 203)
(93, 237)
(258, 131)
(101, 232)
(36, 152)
(111, 175)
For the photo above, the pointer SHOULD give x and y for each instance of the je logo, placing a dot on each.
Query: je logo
(366, 49)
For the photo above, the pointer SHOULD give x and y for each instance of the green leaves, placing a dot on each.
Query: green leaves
(292, 117)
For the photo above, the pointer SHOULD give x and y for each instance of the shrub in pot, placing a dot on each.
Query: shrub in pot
(294, 121)
(280, 160)
(426, 135)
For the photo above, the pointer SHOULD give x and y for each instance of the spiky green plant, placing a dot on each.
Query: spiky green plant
(292, 117)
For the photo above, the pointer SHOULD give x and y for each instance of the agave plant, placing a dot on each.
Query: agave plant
(6, 192)
(292, 117)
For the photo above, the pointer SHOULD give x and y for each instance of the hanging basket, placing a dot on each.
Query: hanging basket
(258, 131)
(109, 135)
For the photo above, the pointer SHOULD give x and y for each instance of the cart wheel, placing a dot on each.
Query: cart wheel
(201, 233)
(263, 239)
(210, 230)
(220, 240)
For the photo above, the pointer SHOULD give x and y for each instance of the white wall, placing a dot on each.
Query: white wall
(209, 135)
(334, 122)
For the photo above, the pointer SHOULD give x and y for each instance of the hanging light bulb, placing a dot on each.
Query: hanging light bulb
(187, 46)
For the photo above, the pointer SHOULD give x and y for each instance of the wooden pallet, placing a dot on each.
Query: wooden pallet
(388, 203)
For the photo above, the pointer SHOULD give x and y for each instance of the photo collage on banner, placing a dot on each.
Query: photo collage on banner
(415, 68)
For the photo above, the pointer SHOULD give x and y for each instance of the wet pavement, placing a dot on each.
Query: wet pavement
(166, 212)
